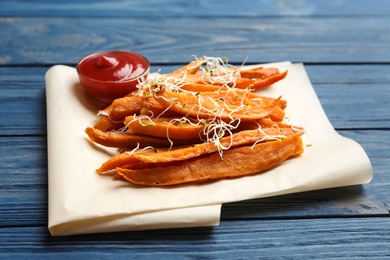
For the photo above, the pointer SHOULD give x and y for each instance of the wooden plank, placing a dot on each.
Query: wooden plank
(330, 238)
(24, 187)
(351, 88)
(348, 222)
(166, 8)
(353, 96)
(23, 101)
(30, 41)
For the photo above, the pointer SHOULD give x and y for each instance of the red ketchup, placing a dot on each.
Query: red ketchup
(108, 75)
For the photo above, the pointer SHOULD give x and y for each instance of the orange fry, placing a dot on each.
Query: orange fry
(241, 138)
(277, 114)
(258, 84)
(181, 153)
(190, 68)
(114, 114)
(126, 106)
(212, 104)
(106, 124)
(126, 140)
(236, 162)
(258, 73)
(151, 107)
(202, 87)
(177, 128)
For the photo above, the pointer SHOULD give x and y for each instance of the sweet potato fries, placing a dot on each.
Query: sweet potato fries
(200, 123)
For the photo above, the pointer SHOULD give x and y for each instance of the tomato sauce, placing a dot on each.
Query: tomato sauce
(108, 75)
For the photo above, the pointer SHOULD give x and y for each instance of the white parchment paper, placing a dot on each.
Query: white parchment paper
(80, 201)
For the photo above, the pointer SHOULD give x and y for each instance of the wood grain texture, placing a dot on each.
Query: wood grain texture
(327, 238)
(353, 91)
(169, 40)
(23, 101)
(345, 46)
(123, 8)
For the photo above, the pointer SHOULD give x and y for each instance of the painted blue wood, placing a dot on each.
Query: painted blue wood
(327, 238)
(346, 50)
(167, 8)
(167, 40)
(23, 97)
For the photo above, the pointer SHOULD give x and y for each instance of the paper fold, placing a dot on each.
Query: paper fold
(80, 201)
(175, 218)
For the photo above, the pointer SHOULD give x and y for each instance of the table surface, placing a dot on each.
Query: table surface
(345, 47)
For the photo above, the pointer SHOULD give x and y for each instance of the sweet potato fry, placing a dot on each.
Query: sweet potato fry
(118, 160)
(277, 114)
(122, 160)
(258, 73)
(126, 106)
(258, 84)
(151, 107)
(181, 153)
(202, 87)
(241, 138)
(236, 162)
(114, 114)
(126, 140)
(106, 124)
(266, 122)
(256, 79)
(298, 149)
(282, 103)
(208, 104)
(164, 127)
(190, 68)
(262, 84)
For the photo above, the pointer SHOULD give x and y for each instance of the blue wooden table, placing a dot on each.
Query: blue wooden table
(345, 47)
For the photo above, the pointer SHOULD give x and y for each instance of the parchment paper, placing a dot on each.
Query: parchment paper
(80, 201)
